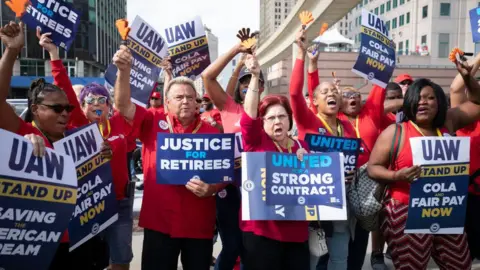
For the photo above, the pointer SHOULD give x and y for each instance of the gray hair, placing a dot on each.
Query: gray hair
(180, 80)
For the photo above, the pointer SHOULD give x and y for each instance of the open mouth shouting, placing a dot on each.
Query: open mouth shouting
(331, 103)
(422, 110)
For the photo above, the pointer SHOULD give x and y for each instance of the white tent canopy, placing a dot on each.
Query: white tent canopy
(331, 37)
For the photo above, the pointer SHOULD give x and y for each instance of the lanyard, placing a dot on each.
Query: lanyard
(108, 129)
(327, 126)
(357, 130)
(35, 126)
(172, 131)
(439, 134)
(289, 147)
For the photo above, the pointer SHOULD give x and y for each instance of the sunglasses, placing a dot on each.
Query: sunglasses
(406, 82)
(58, 108)
(154, 98)
(351, 94)
(99, 100)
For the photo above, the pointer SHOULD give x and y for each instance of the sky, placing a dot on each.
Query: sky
(223, 17)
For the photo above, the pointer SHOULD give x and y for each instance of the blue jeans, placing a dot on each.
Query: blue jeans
(119, 234)
(228, 207)
(338, 246)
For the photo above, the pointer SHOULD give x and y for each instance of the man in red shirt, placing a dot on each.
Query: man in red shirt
(211, 114)
(177, 219)
(155, 100)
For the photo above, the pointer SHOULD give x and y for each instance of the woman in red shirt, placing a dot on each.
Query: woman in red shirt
(93, 105)
(327, 99)
(265, 126)
(426, 114)
(48, 116)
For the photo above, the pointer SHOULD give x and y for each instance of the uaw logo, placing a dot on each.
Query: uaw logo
(163, 124)
(248, 185)
(371, 76)
(435, 227)
(322, 131)
(95, 228)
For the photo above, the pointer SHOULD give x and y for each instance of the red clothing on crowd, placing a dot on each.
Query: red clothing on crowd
(27, 128)
(171, 209)
(119, 130)
(230, 115)
(214, 113)
(400, 191)
(306, 120)
(369, 119)
(388, 119)
(256, 140)
(473, 131)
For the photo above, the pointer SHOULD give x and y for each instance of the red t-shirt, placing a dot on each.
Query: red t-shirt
(400, 191)
(306, 120)
(214, 113)
(117, 137)
(370, 118)
(388, 119)
(256, 140)
(473, 131)
(27, 128)
(171, 209)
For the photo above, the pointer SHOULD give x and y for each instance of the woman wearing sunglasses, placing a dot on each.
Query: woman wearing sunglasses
(48, 116)
(94, 105)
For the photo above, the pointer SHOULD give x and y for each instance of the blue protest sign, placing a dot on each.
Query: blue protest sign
(37, 198)
(475, 24)
(317, 180)
(348, 146)
(238, 158)
(254, 205)
(188, 48)
(148, 48)
(96, 206)
(438, 199)
(376, 59)
(181, 157)
(56, 17)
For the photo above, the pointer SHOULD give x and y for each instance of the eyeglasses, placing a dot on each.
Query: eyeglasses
(351, 94)
(99, 100)
(58, 108)
(271, 119)
(154, 98)
(406, 82)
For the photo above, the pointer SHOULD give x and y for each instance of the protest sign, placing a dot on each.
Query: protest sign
(188, 48)
(317, 180)
(148, 48)
(254, 193)
(238, 158)
(181, 157)
(348, 146)
(438, 199)
(56, 17)
(376, 59)
(96, 207)
(37, 199)
(475, 24)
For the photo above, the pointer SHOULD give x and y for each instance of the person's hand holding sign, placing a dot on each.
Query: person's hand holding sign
(200, 188)
(38, 144)
(407, 174)
(300, 153)
(106, 150)
(47, 44)
(12, 35)
(350, 176)
(300, 39)
(123, 59)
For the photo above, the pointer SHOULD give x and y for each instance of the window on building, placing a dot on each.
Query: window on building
(382, 9)
(376, 11)
(389, 5)
(477, 45)
(443, 45)
(341, 32)
(286, 10)
(286, 4)
(408, 17)
(395, 3)
(406, 47)
(346, 32)
(350, 26)
(402, 2)
(346, 17)
(365, 2)
(425, 12)
(388, 25)
(400, 48)
(341, 24)
(401, 20)
(394, 23)
(32, 68)
(444, 9)
(424, 39)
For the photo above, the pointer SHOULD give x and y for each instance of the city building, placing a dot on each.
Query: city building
(427, 28)
(228, 71)
(92, 50)
(272, 14)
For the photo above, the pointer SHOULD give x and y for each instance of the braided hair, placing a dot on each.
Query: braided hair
(39, 88)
